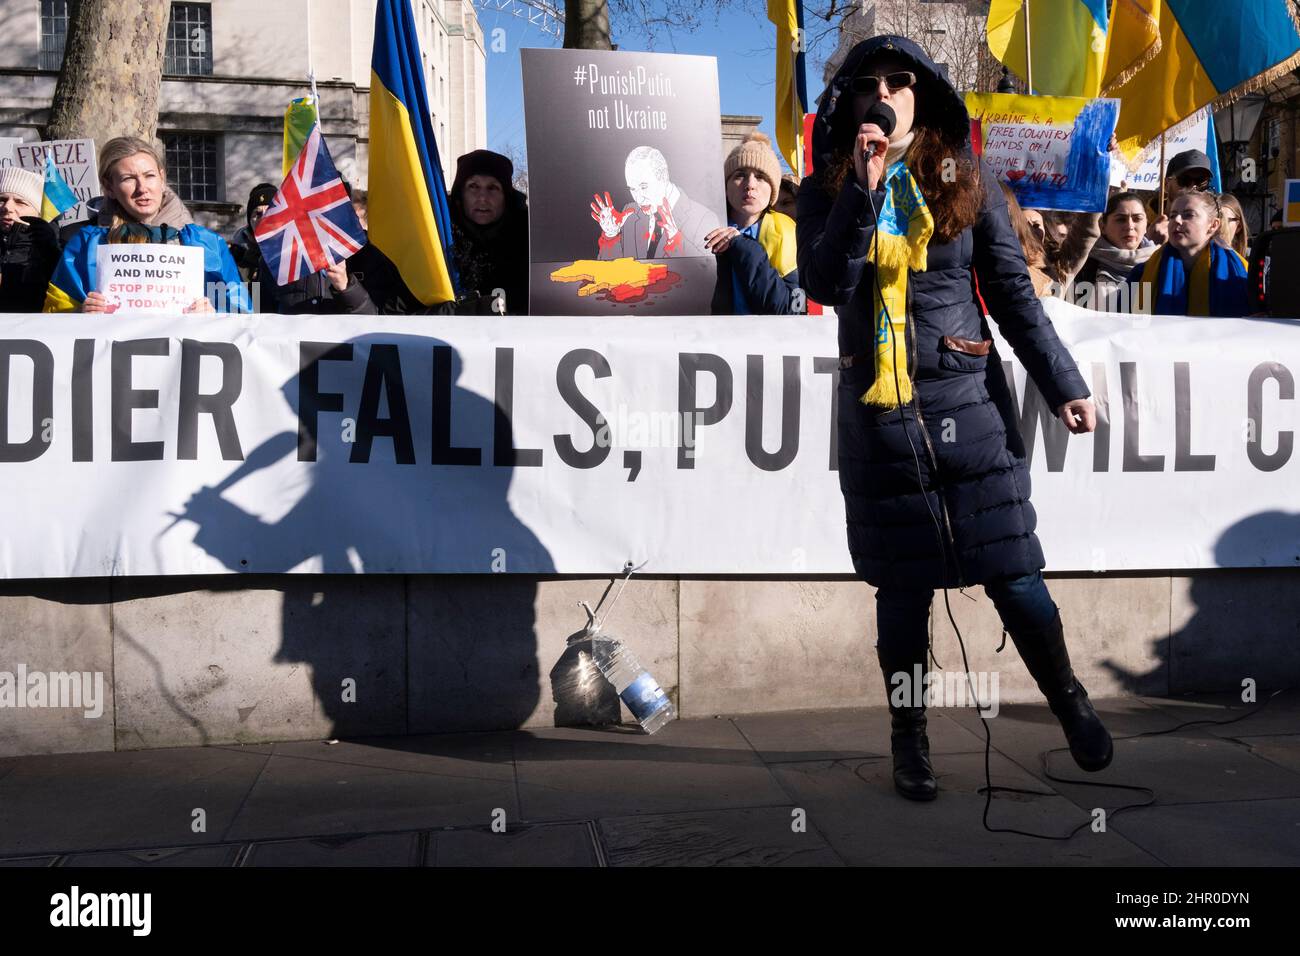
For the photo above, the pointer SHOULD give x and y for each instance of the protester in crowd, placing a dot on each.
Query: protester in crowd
(1233, 231)
(1056, 226)
(139, 207)
(787, 198)
(1122, 246)
(1066, 246)
(243, 247)
(757, 266)
(1192, 274)
(489, 227)
(1034, 218)
(1031, 243)
(360, 207)
(92, 207)
(908, 282)
(1276, 221)
(1188, 171)
(29, 246)
(337, 290)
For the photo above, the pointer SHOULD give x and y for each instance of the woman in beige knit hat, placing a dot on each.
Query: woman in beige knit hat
(29, 246)
(757, 268)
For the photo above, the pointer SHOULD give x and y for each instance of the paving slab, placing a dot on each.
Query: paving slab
(296, 796)
(841, 734)
(1246, 833)
(67, 802)
(1282, 749)
(164, 857)
(29, 861)
(426, 753)
(382, 849)
(754, 837)
(1186, 766)
(852, 803)
(567, 773)
(567, 845)
(1228, 716)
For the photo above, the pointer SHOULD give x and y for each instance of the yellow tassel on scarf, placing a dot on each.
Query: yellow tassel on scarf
(903, 233)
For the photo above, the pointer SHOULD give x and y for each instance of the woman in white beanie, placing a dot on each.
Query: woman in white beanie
(29, 246)
(757, 268)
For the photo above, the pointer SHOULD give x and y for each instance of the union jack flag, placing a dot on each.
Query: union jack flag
(310, 225)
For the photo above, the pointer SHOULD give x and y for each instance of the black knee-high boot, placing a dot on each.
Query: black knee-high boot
(913, 775)
(1044, 654)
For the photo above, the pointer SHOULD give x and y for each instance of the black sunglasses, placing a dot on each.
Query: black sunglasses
(1196, 180)
(870, 82)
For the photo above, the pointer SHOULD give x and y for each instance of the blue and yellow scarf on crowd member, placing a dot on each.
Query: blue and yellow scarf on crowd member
(903, 233)
(1217, 284)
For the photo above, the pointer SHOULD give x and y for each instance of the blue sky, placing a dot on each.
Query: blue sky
(742, 39)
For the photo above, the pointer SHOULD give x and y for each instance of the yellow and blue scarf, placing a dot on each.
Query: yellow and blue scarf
(903, 232)
(1217, 284)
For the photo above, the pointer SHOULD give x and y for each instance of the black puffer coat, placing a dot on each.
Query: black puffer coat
(979, 491)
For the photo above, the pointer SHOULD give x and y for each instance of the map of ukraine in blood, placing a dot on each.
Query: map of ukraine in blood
(619, 280)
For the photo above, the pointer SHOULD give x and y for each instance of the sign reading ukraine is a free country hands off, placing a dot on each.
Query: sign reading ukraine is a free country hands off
(1053, 151)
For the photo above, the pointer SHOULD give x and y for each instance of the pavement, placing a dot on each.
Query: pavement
(807, 788)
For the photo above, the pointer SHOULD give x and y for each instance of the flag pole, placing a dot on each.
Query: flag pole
(1162, 174)
(1029, 59)
(798, 121)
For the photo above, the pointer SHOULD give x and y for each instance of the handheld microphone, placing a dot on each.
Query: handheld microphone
(883, 116)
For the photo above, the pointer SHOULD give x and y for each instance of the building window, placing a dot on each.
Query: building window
(192, 167)
(54, 33)
(189, 40)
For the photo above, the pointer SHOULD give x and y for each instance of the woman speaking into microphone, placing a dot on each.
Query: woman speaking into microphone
(895, 227)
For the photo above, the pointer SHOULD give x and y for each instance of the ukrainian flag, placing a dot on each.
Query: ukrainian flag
(300, 117)
(409, 218)
(791, 85)
(1208, 53)
(58, 197)
(1292, 214)
(1067, 40)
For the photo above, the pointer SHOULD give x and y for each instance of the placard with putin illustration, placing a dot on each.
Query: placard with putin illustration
(625, 181)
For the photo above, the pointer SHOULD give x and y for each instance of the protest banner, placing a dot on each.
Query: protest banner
(1053, 151)
(149, 279)
(75, 159)
(625, 180)
(134, 445)
(1143, 171)
(7, 144)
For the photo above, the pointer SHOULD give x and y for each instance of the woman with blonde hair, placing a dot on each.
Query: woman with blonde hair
(139, 207)
(1233, 231)
(1193, 273)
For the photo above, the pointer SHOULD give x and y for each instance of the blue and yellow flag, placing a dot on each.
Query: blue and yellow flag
(410, 221)
(1208, 53)
(300, 118)
(1291, 214)
(791, 86)
(58, 197)
(1067, 40)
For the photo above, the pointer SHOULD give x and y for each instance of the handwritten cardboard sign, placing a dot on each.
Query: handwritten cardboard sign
(76, 161)
(1051, 150)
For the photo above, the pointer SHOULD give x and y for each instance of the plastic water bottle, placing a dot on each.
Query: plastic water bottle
(638, 689)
